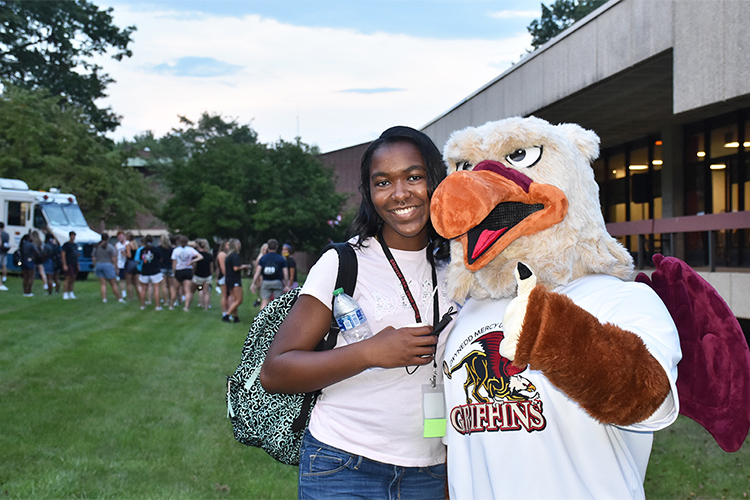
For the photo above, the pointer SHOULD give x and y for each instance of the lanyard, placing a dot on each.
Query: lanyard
(438, 323)
(405, 286)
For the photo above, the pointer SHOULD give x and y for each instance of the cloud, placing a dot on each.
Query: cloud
(514, 14)
(286, 80)
(372, 91)
(197, 66)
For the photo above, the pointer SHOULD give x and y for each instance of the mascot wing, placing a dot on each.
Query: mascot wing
(714, 375)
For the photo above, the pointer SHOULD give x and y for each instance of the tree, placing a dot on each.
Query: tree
(49, 146)
(297, 197)
(49, 44)
(212, 193)
(557, 17)
(225, 184)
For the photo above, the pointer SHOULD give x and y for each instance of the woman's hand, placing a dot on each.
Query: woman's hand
(407, 346)
(293, 365)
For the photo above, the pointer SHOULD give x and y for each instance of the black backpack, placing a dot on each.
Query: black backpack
(276, 422)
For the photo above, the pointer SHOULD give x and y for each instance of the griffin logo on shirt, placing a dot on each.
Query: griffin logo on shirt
(502, 399)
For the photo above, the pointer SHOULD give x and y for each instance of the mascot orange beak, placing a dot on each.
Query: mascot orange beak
(486, 209)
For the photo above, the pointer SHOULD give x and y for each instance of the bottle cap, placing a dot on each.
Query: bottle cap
(338, 291)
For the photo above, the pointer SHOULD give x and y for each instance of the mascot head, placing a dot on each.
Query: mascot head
(522, 189)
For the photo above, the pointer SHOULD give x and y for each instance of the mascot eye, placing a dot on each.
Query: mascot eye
(463, 165)
(526, 157)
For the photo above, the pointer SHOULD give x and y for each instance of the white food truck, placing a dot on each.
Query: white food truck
(23, 210)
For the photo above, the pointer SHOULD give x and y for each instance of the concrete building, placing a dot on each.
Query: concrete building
(665, 84)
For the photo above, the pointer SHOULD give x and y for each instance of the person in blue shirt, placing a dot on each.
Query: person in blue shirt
(272, 267)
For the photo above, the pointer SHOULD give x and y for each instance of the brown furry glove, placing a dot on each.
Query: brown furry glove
(605, 369)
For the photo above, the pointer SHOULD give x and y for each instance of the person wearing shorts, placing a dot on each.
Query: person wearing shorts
(149, 258)
(29, 254)
(233, 268)
(120, 246)
(183, 258)
(204, 270)
(104, 258)
(272, 267)
(221, 279)
(131, 267)
(52, 263)
(169, 290)
(291, 264)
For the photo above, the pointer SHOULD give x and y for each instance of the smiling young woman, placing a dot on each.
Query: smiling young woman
(398, 187)
(365, 438)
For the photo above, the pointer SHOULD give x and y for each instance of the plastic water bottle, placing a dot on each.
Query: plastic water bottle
(350, 318)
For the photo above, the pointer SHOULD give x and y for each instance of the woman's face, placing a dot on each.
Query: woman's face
(398, 189)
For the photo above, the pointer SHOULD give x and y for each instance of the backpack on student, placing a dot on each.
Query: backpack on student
(138, 260)
(276, 422)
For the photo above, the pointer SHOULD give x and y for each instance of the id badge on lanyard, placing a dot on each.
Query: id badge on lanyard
(433, 410)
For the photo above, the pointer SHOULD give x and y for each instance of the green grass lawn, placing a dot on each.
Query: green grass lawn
(108, 401)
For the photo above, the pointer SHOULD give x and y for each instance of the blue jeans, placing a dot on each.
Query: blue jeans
(327, 472)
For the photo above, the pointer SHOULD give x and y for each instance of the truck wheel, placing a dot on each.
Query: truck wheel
(82, 276)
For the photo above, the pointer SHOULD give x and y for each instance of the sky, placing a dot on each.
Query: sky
(334, 73)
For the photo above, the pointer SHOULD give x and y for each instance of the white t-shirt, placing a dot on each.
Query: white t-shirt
(121, 258)
(533, 441)
(183, 256)
(378, 413)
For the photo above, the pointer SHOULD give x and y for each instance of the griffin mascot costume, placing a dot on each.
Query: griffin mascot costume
(559, 367)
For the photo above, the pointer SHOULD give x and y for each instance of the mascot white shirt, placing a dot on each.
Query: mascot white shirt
(528, 437)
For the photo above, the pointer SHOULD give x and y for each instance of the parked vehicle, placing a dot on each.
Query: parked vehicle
(24, 210)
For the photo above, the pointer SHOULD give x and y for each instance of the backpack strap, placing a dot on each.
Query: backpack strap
(346, 279)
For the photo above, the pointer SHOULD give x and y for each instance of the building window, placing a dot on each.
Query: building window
(744, 193)
(629, 178)
(657, 161)
(717, 173)
(640, 184)
(722, 164)
(695, 153)
(617, 188)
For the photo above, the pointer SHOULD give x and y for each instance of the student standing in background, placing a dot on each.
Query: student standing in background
(104, 259)
(70, 256)
(291, 265)
(275, 276)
